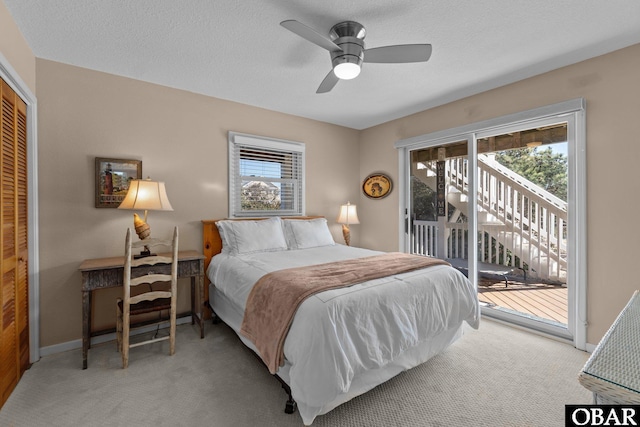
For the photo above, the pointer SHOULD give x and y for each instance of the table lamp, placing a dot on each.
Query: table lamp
(348, 215)
(146, 195)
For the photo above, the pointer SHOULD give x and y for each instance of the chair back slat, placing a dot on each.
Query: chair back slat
(151, 260)
(151, 242)
(149, 279)
(150, 296)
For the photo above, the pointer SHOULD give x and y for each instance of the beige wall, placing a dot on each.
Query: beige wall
(181, 139)
(611, 87)
(15, 49)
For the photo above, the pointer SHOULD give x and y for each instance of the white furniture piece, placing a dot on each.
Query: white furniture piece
(612, 372)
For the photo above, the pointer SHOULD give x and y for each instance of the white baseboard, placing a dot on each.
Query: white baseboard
(76, 344)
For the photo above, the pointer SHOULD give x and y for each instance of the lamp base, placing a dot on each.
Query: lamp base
(145, 253)
(346, 234)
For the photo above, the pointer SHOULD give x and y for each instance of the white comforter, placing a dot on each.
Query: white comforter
(339, 334)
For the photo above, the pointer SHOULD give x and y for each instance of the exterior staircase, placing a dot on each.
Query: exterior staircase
(519, 223)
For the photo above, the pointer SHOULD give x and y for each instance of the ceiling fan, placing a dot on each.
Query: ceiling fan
(346, 46)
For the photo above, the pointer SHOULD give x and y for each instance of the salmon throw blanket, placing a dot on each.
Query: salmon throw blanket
(276, 296)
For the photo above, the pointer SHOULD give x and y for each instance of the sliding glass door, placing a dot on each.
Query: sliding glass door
(522, 222)
(503, 201)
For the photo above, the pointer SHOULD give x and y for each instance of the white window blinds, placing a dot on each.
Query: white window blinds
(266, 176)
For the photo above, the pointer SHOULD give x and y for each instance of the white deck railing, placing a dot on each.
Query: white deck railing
(528, 225)
(425, 238)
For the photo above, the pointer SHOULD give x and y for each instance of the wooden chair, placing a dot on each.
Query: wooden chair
(147, 271)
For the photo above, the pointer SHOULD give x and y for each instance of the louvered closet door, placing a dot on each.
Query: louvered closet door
(14, 344)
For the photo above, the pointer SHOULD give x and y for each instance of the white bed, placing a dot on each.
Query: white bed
(343, 342)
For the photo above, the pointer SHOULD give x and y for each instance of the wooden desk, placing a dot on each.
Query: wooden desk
(103, 273)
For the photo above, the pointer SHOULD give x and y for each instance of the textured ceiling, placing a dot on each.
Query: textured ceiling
(236, 49)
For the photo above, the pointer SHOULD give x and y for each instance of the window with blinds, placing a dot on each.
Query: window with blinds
(266, 176)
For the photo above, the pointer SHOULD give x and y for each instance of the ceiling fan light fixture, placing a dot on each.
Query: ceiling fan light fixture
(347, 50)
(347, 61)
(346, 70)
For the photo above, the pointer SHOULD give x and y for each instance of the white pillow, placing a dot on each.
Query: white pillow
(303, 234)
(244, 237)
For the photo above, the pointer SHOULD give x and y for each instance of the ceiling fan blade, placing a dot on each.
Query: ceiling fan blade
(328, 83)
(398, 54)
(310, 34)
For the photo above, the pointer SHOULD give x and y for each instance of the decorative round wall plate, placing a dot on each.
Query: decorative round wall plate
(377, 186)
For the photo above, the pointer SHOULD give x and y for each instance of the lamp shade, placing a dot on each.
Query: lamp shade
(145, 195)
(348, 214)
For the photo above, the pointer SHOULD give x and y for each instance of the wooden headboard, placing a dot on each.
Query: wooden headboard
(212, 243)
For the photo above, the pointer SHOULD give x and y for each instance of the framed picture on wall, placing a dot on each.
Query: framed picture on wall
(377, 186)
(112, 180)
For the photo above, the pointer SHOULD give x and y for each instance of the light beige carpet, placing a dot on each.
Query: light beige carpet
(496, 376)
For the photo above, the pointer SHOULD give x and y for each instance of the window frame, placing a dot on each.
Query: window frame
(238, 141)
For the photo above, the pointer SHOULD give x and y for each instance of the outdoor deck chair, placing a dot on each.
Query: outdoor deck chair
(487, 269)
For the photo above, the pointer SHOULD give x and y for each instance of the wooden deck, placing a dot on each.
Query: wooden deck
(548, 302)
